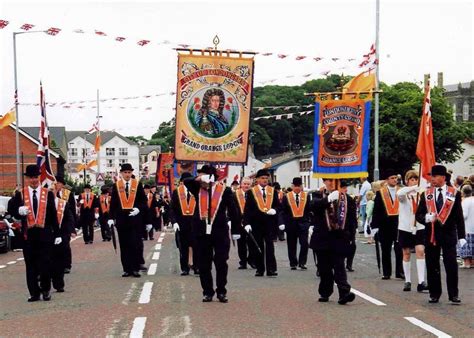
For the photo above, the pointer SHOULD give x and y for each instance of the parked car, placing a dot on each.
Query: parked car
(5, 242)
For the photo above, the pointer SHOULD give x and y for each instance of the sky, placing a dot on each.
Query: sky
(416, 37)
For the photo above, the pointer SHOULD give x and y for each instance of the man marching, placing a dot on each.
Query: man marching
(128, 200)
(88, 213)
(245, 248)
(294, 219)
(149, 215)
(104, 214)
(260, 217)
(440, 210)
(34, 205)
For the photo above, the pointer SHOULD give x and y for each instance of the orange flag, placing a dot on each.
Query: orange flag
(7, 119)
(425, 146)
(97, 142)
(364, 82)
(91, 164)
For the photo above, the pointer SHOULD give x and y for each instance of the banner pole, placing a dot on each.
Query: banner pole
(376, 95)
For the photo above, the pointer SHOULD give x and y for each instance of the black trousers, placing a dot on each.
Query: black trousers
(351, 254)
(246, 249)
(156, 223)
(67, 254)
(38, 258)
(105, 228)
(332, 270)
(130, 252)
(213, 249)
(184, 241)
(292, 238)
(88, 231)
(148, 234)
(386, 243)
(59, 264)
(433, 269)
(267, 257)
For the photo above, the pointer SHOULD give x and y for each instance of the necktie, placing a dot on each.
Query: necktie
(264, 194)
(35, 202)
(439, 200)
(297, 199)
(87, 198)
(126, 189)
(188, 196)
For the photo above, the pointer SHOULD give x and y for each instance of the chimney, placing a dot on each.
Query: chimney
(440, 80)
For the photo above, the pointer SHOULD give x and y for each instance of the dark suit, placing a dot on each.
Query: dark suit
(38, 245)
(296, 230)
(264, 230)
(332, 246)
(128, 228)
(245, 247)
(148, 216)
(87, 217)
(446, 236)
(71, 205)
(104, 217)
(214, 247)
(60, 257)
(388, 236)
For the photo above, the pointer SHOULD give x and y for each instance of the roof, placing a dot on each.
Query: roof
(34, 139)
(145, 150)
(454, 87)
(105, 136)
(58, 135)
(288, 157)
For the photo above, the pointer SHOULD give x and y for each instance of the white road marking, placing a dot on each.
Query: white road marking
(20, 259)
(158, 247)
(368, 298)
(152, 269)
(2, 266)
(146, 293)
(11, 262)
(183, 296)
(129, 294)
(427, 327)
(160, 239)
(187, 327)
(138, 327)
(165, 324)
(162, 234)
(156, 256)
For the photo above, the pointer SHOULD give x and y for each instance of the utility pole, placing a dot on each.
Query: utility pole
(376, 95)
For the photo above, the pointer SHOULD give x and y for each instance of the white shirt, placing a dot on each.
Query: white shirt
(392, 191)
(363, 191)
(406, 214)
(468, 212)
(443, 191)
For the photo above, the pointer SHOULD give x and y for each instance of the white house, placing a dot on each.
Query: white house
(149, 160)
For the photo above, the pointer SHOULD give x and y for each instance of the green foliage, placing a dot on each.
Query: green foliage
(164, 136)
(138, 139)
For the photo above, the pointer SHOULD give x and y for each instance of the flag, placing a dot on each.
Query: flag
(7, 119)
(42, 155)
(364, 82)
(222, 171)
(425, 146)
(97, 142)
(91, 164)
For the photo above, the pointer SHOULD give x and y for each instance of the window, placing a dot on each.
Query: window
(454, 111)
(465, 111)
(153, 158)
(123, 151)
(73, 151)
(110, 151)
(309, 181)
(110, 163)
(122, 161)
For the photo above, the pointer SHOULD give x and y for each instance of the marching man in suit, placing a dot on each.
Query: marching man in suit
(104, 215)
(89, 212)
(246, 249)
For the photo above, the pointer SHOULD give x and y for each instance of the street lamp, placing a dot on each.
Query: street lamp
(17, 134)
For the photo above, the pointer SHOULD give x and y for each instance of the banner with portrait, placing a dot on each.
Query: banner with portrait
(213, 105)
(164, 168)
(341, 138)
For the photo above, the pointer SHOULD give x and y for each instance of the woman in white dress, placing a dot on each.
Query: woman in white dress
(466, 252)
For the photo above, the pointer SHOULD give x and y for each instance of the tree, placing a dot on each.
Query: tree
(138, 139)
(164, 136)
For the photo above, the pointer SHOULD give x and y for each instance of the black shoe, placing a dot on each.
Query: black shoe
(433, 300)
(400, 275)
(104, 240)
(349, 268)
(196, 272)
(46, 296)
(258, 274)
(60, 290)
(151, 238)
(145, 239)
(67, 270)
(222, 298)
(422, 287)
(184, 273)
(347, 298)
(293, 268)
(407, 286)
(385, 277)
(272, 274)
(323, 299)
(207, 299)
(303, 267)
(136, 274)
(253, 266)
(242, 267)
(143, 268)
(361, 232)
(126, 274)
(455, 300)
(33, 299)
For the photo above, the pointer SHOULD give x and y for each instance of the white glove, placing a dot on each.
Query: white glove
(462, 242)
(281, 227)
(430, 217)
(134, 212)
(235, 237)
(229, 223)
(162, 209)
(96, 215)
(310, 231)
(334, 196)
(207, 178)
(58, 240)
(148, 227)
(81, 202)
(248, 228)
(23, 211)
(176, 227)
(110, 222)
(271, 212)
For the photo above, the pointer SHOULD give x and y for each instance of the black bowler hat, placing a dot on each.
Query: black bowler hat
(146, 186)
(104, 189)
(184, 176)
(438, 170)
(209, 170)
(235, 183)
(32, 170)
(262, 172)
(344, 183)
(388, 172)
(60, 179)
(297, 181)
(87, 186)
(126, 166)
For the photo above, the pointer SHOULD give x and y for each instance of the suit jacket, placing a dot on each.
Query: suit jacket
(103, 216)
(387, 225)
(292, 223)
(261, 222)
(334, 240)
(67, 226)
(71, 205)
(87, 215)
(121, 216)
(51, 226)
(177, 216)
(449, 232)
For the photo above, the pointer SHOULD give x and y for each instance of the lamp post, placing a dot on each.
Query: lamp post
(17, 133)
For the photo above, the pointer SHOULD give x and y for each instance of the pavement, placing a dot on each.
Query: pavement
(99, 302)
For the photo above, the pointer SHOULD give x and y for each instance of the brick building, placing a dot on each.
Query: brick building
(28, 146)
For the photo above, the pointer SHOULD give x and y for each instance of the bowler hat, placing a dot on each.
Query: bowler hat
(32, 170)
(297, 181)
(262, 172)
(60, 179)
(276, 185)
(388, 172)
(438, 170)
(344, 183)
(126, 166)
(235, 183)
(146, 186)
(209, 170)
(184, 176)
(87, 186)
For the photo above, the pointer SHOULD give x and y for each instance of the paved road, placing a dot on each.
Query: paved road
(99, 302)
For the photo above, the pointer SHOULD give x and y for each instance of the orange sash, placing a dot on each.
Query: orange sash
(390, 206)
(445, 211)
(297, 210)
(280, 196)
(215, 202)
(149, 199)
(91, 198)
(38, 219)
(187, 209)
(65, 194)
(240, 195)
(60, 210)
(127, 203)
(104, 207)
(263, 206)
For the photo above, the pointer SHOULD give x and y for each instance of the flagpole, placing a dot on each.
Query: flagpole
(376, 95)
(98, 131)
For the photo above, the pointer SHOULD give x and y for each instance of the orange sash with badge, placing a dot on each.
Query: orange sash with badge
(215, 202)
(445, 211)
(297, 210)
(127, 203)
(103, 206)
(240, 195)
(91, 198)
(65, 194)
(262, 205)
(60, 210)
(187, 209)
(38, 219)
(390, 206)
